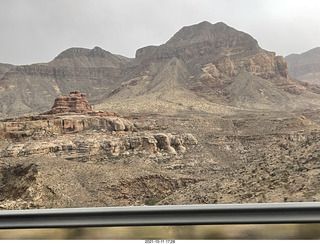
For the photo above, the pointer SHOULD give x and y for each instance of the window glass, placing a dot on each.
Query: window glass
(165, 103)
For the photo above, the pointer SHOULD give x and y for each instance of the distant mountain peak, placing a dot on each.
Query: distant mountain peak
(305, 66)
(210, 25)
(205, 41)
(207, 32)
(83, 57)
(78, 51)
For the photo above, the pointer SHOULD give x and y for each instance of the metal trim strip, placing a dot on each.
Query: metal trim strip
(208, 214)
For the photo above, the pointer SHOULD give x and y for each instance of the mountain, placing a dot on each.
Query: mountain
(32, 88)
(86, 58)
(197, 70)
(203, 42)
(305, 66)
(207, 117)
(194, 71)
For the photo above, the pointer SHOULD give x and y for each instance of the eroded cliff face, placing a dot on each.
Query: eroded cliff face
(198, 60)
(100, 145)
(75, 137)
(63, 124)
(73, 131)
(76, 102)
(192, 159)
(228, 50)
(265, 65)
(209, 60)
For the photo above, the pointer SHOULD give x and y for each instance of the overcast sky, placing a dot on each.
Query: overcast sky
(33, 31)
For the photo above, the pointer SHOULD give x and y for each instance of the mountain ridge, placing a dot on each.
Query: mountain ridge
(305, 66)
(208, 58)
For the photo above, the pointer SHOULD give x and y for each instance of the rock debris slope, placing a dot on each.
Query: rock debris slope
(193, 71)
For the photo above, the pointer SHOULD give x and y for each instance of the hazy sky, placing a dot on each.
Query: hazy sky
(34, 31)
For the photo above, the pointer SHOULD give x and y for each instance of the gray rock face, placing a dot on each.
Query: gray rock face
(202, 41)
(305, 66)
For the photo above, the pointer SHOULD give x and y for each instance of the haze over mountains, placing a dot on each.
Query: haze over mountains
(305, 66)
(209, 68)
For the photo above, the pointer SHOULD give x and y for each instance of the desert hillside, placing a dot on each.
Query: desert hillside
(207, 117)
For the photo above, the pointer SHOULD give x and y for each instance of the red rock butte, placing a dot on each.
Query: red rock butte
(76, 102)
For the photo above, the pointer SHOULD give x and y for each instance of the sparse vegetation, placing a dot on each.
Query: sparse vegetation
(199, 123)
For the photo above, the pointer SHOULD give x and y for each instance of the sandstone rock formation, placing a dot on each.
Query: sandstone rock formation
(58, 132)
(76, 102)
(48, 125)
(69, 114)
(96, 146)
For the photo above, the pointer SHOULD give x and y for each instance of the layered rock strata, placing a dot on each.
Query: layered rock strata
(76, 102)
(44, 126)
(101, 145)
(72, 130)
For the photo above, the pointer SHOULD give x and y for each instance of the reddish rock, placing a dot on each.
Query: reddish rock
(76, 102)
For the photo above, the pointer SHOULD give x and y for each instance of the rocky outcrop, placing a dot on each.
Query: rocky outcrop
(76, 102)
(72, 130)
(69, 114)
(40, 126)
(100, 145)
(264, 65)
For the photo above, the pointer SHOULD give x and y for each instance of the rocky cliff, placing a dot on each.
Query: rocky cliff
(203, 63)
(76, 102)
(192, 71)
(71, 129)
